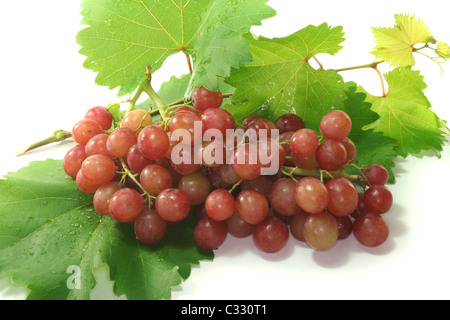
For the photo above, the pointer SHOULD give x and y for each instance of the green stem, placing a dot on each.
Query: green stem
(235, 186)
(361, 171)
(148, 89)
(132, 176)
(185, 101)
(57, 136)
(290, 171)
(136, 96)
(372, 65)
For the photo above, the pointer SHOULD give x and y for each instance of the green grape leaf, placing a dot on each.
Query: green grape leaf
(281, 80)
(50, 232)
(405, 114)
(396, 45)
(123, 37)
(372, 147)
(443, 50)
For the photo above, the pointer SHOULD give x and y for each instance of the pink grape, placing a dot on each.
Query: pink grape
(196, 186)
(220, 205)
(252, 206)
(100, 115)
(321, 231)
(271, 235)
(73, 160)
(220, 119)
(282, 197)
(84, 130)
(238, 227)
(204, 99)
(289, 123)
(98, 169)
(335, 125)
(153, 142)
(103, 195)
(376, 174)
(311, 195)
(331, 155)
(343, 197)
(173, 205)
(304, 143)
(155, 178)
(210, 234)
(120, 141)
(370, 230)
(149, 227)
(378, 199)
(125, 205)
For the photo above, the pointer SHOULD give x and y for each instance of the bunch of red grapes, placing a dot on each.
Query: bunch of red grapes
(129, 168)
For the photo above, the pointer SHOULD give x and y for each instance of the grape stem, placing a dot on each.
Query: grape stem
(57, 136)
(145, 86)
(295, 171)
(374, 66)
(235, 186)
(127, 172)
(182, 102)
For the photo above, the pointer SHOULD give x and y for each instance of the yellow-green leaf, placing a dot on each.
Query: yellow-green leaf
(396, 45)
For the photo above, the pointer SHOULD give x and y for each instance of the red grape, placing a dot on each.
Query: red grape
(84, 130)
(311, 195)
(186, 121)
(173, 205)
(321, 230)
(149, 227)
(220, 205)
(345, 227)
(252, 206)
(155, 178)
(196, 186)
(120, 141)
(304, 143)
(378, 199)
(246, 162)
(289, 123)
(238, 227)
(135, 160)
(335, 125)
(271, 235)
(136, 120)
(370, 229)
(376, 174)
(343, 197)
(100, 115)
(153, 142)
(350, 147)
(98, 169)
(282, 197)
(209, 234)
(219, 119)
(84, 184)
(73, 160)
(203, 99)
(296, 225)
(125, 205)
(97, 145)
(103, 195)
(331, 155)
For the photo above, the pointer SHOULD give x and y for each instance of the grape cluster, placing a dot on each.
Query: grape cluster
(129, 168)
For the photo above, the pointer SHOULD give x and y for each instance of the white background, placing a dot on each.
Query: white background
(44, 87)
